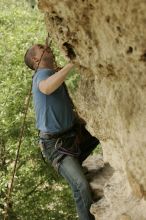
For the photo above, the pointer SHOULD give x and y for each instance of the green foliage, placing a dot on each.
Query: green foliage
(38, 193)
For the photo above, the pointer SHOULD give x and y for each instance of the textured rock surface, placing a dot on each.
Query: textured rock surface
(109, 39)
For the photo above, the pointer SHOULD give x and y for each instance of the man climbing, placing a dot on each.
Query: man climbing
(55, 119)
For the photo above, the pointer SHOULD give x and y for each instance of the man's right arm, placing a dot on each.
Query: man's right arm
(50, 84)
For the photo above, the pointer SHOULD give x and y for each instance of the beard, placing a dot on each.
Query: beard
(49, 61)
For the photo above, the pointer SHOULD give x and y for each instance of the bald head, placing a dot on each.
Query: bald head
(28, 58)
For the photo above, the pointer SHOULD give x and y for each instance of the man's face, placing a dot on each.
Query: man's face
(43, 52)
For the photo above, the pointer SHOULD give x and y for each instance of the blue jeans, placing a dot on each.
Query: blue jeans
(70, 168)
(72, 171)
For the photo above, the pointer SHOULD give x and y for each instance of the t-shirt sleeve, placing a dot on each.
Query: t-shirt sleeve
(42, 75)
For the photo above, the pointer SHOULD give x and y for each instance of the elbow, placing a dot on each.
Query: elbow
(45, 91)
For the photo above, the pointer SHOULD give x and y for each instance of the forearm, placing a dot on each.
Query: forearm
(53, 82)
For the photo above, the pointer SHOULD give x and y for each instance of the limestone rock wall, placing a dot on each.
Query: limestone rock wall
(109, 40)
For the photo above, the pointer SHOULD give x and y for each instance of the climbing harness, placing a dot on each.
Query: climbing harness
(8, 203)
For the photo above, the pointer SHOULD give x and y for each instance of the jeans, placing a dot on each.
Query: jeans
(70, 168)
(72, 171)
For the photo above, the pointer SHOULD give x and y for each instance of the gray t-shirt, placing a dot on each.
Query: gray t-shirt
(53, 112)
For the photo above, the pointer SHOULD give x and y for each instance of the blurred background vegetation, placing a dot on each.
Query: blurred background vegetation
(39, 193)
